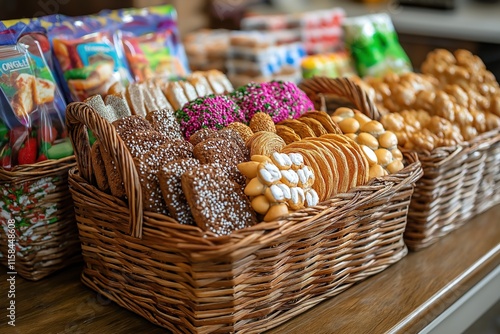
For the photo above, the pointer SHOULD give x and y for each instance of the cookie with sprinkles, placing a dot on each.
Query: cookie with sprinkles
(164, 121)
(141, 142)
(201, 135)
(169, 178)
(224, 152)
(213, 112)
(218, 204)
(293, 97)
(148, 166)
(253, 98)
(127, 125)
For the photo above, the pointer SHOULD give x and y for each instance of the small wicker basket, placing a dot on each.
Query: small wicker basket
(35, 200)
(189, 281)
(458, 183)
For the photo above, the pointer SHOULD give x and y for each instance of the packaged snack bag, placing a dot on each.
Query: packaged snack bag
(333, 65)
(31, 105)
(151, 43)
(374, 46)
(87, 58)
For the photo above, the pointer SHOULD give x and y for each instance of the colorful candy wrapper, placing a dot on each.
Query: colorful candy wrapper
(87, 57)
(151, 43)
(31, 105)
(374, 45)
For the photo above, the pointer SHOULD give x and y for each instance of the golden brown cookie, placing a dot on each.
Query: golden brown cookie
(287, 134)
(315, 125)
(325, 120)
(243, 129)
(301, 129)
(262, 122)
(264, 143)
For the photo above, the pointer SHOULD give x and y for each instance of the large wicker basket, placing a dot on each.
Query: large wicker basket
(188, 281)
(36, 203)
(458, 183)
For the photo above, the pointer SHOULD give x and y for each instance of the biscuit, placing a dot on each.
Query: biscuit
(127, 125)
(243, 129)
(135, 98)
(325, 120)
(141, 142)
(175, 95)
(148, 166)
(189, 90)
(223, 152)
(287, 134)
(315, 125)
(200, 83)
(201, 135)
(218, 205)
(169, 178)
(164, 121)
(115, 180)
(234, 136)
(160, 99)
(301, 129)
(262, 122)
(98, 167)
(265, 143)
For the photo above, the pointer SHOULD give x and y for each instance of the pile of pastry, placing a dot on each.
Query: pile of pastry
(454, 100)
(155, 94)
(227, 172)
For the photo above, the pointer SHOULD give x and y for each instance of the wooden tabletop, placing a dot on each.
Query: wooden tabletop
(403, 299)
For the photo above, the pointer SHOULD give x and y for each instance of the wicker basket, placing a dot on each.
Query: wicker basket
(188, 281)
(458, 182)
(37, 198)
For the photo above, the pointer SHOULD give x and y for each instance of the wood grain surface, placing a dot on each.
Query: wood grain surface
(402, 299)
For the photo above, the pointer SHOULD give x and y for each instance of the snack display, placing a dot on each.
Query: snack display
(207, 49)
(229, 210)
(320, 31)
(257, 57)
(31, 105)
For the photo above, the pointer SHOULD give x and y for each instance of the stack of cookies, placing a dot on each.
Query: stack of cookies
(337, 161)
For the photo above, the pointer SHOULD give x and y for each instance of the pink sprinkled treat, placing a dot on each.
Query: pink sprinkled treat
(212, 111)
(281, 100)
(295, 99)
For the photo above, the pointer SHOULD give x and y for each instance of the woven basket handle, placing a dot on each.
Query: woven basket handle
(316, 88)
(79, 117)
